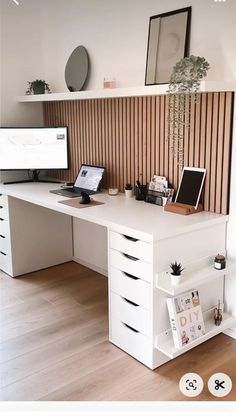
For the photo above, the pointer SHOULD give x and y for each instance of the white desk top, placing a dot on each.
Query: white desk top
(146, 221)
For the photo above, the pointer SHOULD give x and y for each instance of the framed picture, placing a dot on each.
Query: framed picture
(168, 42)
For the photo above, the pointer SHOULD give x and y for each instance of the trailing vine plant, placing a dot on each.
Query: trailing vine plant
(183, 88)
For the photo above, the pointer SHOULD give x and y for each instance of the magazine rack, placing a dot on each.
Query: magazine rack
(194, 278)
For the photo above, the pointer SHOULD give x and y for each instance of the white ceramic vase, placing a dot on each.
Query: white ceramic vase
(175, 279)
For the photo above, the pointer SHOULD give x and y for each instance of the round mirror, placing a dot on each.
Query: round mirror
(77, 68)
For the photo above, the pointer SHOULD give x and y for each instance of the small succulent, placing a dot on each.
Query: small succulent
(128, 187)
(176, 268)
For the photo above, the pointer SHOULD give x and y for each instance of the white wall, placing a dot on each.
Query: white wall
(115, 35)
(21, 60)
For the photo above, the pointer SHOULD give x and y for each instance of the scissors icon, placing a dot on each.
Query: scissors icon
(219, 384)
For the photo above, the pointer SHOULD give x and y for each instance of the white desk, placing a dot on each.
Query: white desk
(37, 233)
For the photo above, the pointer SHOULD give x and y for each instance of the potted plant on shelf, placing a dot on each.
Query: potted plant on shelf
(183, 91)
(176, 272)
(128, 190)
(37, 87)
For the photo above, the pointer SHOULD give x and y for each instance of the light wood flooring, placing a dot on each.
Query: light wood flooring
(54, 345)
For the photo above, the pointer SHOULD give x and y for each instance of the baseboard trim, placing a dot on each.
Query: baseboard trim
(231, 333)
(90, 266)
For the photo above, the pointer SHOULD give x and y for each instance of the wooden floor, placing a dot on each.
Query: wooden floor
(54, 345)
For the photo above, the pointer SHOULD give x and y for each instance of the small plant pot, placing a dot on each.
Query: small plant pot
(39, 90)
(175, 279)
(128, 193)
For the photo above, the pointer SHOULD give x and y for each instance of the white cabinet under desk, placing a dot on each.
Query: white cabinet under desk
(142, 241)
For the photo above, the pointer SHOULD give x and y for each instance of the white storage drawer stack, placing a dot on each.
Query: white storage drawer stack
(5, 242)
(130, 279)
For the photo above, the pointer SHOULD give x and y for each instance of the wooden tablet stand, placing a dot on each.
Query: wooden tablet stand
(183, 209)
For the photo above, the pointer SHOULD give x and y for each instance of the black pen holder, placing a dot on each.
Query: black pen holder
(140, 192)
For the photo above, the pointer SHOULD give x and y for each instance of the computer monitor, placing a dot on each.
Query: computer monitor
(190, 186)
(33, 148)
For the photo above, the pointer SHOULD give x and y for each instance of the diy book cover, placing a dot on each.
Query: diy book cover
(186, 318)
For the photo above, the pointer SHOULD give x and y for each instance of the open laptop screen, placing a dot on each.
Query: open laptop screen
(89, 177)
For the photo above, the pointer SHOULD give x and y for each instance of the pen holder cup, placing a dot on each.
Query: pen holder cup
(141, 192)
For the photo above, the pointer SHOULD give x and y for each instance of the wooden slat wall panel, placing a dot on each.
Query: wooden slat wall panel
(129, 136)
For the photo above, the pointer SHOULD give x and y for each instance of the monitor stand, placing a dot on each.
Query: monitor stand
(35, 178)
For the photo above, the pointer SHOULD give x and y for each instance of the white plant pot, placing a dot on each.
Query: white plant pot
(175, 279)
(128, 193)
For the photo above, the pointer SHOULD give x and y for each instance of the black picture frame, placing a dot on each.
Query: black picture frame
(168, 42)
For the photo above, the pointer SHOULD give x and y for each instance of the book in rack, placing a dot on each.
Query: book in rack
(186, 318)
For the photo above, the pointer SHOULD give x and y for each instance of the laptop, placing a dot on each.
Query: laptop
(88, 180)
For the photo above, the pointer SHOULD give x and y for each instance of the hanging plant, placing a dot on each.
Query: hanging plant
(183, 88)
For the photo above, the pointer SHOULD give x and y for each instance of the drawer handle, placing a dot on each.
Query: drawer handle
(2, 253)
(1, 219)
(131, 328)
(130, 276)
(130, 257)
(132, 239)
(2, 237)
(1, 207)
(129, 302)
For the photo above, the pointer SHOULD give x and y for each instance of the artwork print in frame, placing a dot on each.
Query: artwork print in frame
(168, 42)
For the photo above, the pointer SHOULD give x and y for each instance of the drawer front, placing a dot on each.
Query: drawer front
(131, 246)
(130, 287)
(5, 263)
(136, 267)
(4, 227)
(4, 207)
(134, 343)
(4, 244)
(3, 200)
(131, 314)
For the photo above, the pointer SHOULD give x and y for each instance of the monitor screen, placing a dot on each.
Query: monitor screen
(190, 186)
(33, 148)
(89, 177)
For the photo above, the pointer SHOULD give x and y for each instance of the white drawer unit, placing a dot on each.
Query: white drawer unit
(130, 287)
(131, 246)
(130, 290)
(130, 313)
(131, 265)
(131, 341)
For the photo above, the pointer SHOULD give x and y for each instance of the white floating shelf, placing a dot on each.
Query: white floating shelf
(165, 344)
(206, 86)
(192, 278)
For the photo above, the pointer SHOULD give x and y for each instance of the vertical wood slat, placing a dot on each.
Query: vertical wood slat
(129, 137)
(208, 131)
(227, 152)
(219, 162)
(214, 139)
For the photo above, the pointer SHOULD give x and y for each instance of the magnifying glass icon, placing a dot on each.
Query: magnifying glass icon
(191, 384)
